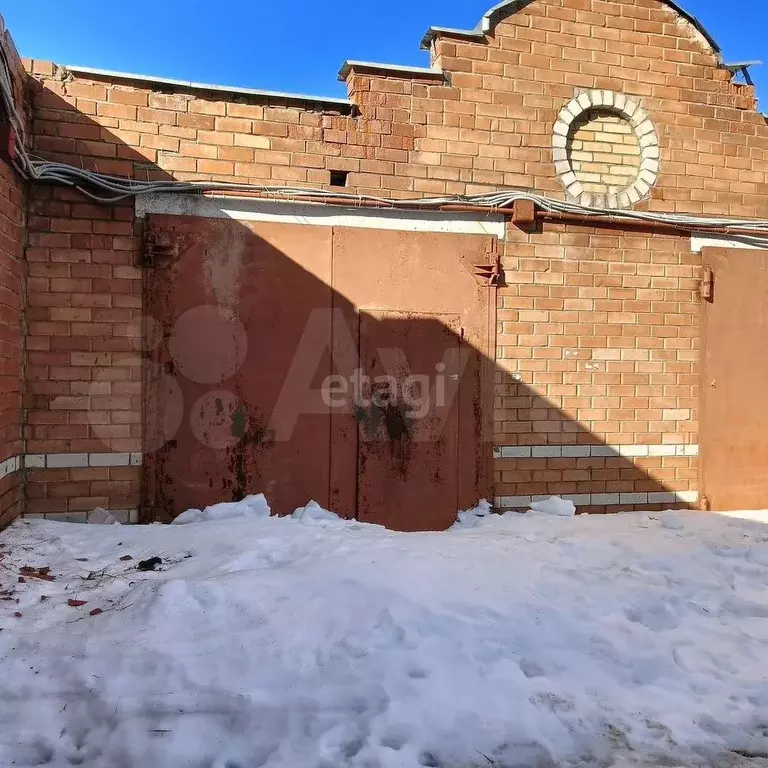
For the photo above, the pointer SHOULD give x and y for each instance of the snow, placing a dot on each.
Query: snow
(554, 506)
(672, 520)
(101, 516)
(469, 518)
(522, 641)
(250, 506)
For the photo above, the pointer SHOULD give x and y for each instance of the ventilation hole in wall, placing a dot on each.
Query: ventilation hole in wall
(339, 178)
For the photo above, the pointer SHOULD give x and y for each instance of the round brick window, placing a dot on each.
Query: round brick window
(606, 150)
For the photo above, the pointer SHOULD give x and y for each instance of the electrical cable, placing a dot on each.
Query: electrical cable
(105, 188)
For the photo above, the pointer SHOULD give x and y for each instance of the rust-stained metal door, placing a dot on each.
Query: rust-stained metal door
(408, 428)
(261, 338)
(423, 295)
(734, 418)
(229, 303)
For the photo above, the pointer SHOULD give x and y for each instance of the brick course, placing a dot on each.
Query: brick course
(605, 152)
(597, 327)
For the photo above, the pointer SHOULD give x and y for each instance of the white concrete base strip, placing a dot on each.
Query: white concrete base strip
(314, 214)
(592, 451)
(603, 499)
(68, 461)
(72, 460)
(124, 516)
(9, 466)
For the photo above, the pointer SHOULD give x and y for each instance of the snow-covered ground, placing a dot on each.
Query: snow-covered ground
(519, 641)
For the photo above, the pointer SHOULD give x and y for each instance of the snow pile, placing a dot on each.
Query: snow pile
(471, 517)
(311, 642)
(250, 506)
(314, 514)
(554, 505)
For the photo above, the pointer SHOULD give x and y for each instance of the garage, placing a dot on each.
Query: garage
(313, 353)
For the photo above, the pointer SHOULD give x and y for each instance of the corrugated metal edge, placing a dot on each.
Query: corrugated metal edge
(188, 85)
(491, 18)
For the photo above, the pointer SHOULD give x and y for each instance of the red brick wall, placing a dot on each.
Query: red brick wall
(603, 326)
(598, 328)
(12, 235)
(83, 374)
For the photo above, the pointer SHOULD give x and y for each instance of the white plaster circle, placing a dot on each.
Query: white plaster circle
(630, 110)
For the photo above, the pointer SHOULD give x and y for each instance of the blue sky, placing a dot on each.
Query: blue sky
(297, 46)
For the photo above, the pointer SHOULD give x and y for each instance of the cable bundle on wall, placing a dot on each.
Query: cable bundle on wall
(22, 162)
(109, 189)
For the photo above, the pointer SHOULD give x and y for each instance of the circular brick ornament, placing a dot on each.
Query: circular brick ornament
(630, 111)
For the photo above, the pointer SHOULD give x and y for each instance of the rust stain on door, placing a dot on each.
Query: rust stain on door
(408, 418)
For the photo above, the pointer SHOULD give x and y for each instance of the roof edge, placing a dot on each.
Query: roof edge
(430, 73)
(188, 85)
(491, 18)
(464, 34)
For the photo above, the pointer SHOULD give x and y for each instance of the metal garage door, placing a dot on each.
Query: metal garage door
(734, 419)
(349, 366)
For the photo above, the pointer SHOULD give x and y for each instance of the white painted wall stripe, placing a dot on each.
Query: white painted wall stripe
(314, 214)
(68, 461)
(124, 516)
(9, 466)
(603, 499)
(593, 451)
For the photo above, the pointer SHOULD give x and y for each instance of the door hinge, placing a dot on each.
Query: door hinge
(490, 274)
(152, 250)
(163, 247)
(707, 284)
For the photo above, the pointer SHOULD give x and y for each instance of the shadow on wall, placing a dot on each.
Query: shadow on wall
(350, 366)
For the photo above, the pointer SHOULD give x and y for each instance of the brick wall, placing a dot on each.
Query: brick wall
(83, 368)
(598, 327)
(12, 235)
(605, 152)
(603, 325)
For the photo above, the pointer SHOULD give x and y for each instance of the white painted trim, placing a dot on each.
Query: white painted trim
(700, 241)
(593, 451)
(602, 499)
(317, 214)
